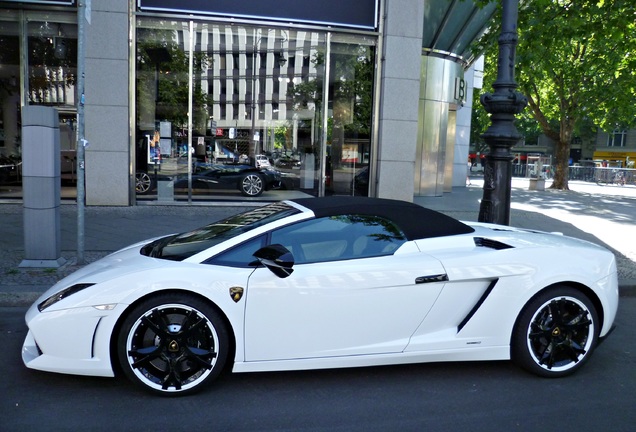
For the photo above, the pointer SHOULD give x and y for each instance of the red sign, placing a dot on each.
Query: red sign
(219, 132)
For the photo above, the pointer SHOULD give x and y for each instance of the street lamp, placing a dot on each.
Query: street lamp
(502, 134)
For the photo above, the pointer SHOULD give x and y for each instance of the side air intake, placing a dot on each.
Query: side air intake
(491, 244)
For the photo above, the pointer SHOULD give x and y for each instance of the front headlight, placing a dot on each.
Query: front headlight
(61, 295)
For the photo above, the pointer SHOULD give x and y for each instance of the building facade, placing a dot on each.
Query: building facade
(186, 100)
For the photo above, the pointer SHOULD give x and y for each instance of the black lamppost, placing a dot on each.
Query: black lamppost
(502, 134)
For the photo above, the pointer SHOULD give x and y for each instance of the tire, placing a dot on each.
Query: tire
(251, 185)
(172, 344)
(555, 333)
(143, 183)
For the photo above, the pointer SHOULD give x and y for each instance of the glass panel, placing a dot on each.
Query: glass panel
(339, 238)
(257, 120)
(50, 80)
(162, 66)
(350, 113)
(52, 64)
(10, 159)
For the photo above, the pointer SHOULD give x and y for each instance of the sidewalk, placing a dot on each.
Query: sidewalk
(604, 215)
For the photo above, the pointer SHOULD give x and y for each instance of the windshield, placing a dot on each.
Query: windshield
(181, 246)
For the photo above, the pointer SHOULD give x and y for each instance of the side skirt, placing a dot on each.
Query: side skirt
(465, 354)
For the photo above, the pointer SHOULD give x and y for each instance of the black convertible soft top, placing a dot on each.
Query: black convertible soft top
(415, 221)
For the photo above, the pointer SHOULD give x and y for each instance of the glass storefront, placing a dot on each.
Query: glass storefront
(275, 112)
(221, 110)
(38, 66)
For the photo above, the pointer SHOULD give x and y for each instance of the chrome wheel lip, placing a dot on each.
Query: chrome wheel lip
(559, 334)
(154, 382)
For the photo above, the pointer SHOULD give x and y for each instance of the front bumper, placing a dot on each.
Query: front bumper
(72, 341)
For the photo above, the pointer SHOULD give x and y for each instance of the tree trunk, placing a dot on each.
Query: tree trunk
(561, 166)
(562, 162)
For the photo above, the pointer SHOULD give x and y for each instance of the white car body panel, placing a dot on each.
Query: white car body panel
(313, 307)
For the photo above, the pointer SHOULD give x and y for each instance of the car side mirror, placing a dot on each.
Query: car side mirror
(277, 258)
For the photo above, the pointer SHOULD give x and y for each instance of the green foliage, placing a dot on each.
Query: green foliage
(578, 59)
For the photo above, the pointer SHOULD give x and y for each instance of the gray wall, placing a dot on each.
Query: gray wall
(107, 113)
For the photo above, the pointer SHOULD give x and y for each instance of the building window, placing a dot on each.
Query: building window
(270, 88)
(616, 138)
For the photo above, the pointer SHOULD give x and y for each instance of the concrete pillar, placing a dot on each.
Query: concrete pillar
(400, 84)
(438, 98)
(107, 115)
(41, 187)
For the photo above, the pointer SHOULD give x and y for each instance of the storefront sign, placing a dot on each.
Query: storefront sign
(346, 13)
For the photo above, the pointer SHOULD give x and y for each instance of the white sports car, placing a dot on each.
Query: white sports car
(326, 283)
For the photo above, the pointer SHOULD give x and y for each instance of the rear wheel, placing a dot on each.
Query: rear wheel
(555, 333)
(252, 185)
(172, 344)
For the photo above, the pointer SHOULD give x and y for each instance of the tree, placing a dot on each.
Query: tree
(576, 64)
(577, 61)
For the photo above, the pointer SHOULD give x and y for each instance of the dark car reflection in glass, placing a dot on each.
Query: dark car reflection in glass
(248, 180)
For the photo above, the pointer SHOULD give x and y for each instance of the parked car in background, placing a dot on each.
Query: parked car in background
(261, 161)
(248, 180)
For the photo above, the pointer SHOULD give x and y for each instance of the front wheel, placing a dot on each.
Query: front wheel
(172, 344)
(555, 333)
(252, 185)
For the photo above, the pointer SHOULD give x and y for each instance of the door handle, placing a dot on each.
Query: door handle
(431, 278)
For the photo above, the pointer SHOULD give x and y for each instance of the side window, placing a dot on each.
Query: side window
(339, 238)
(240, 255)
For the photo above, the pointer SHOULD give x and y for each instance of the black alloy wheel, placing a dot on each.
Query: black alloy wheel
(556, 333)
(172, 344)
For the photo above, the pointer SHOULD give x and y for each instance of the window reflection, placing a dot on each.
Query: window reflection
(258, 93)
(52, 61)
(49, 79)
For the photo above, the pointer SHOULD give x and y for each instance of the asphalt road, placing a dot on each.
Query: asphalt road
(485, 396)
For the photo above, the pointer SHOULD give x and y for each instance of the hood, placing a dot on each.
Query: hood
(122, 262)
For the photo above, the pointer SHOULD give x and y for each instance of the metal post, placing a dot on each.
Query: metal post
(190, 108)
(81, 141)
(502, 134)
(252, 150)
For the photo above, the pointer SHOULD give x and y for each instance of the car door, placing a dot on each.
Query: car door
(358, 287)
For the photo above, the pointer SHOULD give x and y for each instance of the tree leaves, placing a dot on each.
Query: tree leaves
(576, 63)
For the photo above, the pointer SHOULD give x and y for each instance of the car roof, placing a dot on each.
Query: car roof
(416, 222)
